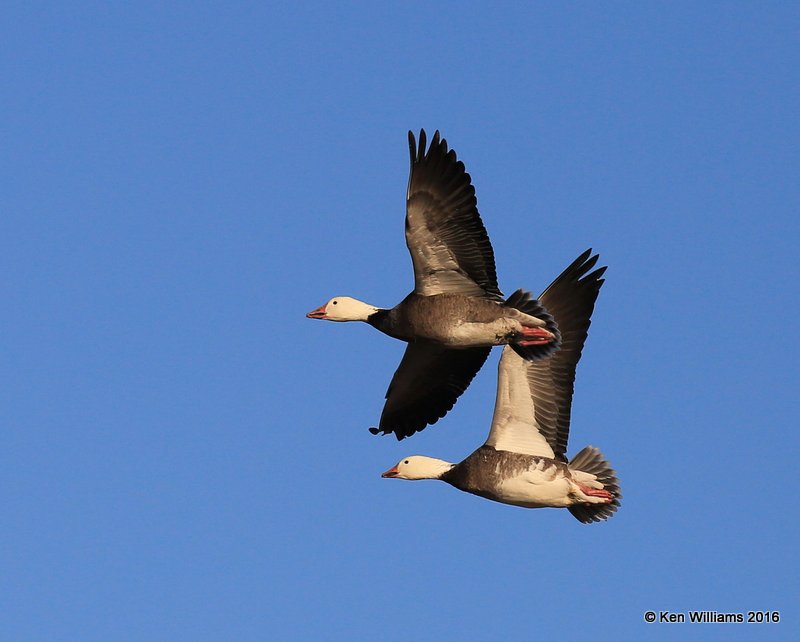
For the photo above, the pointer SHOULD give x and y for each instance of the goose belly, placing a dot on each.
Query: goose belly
(473, 334)
(535, 488)
(456, 321)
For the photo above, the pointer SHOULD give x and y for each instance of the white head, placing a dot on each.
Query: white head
(419, 467)
(343, 308)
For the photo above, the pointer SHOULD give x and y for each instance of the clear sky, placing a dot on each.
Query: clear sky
(185, 456)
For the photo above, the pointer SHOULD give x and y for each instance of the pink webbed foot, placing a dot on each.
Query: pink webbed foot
(596, 492)
(536, 336)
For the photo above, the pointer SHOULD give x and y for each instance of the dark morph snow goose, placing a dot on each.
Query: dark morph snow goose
(456, 312)
(523, 461)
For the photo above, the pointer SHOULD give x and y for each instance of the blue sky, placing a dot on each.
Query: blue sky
(186, 456)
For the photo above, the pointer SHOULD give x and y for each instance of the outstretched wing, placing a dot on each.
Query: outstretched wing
(449, 246)
(534, 399)
(426, 385)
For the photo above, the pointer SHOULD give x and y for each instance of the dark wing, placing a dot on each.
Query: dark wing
(428, 381)
(449, 246)
(534, 399)
(570, 299)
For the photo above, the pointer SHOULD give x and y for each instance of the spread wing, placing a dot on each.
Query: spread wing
(449, 246)
(426, 385)
(534, 399)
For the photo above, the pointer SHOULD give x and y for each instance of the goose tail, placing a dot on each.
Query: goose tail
(590, 460)
(525, 303)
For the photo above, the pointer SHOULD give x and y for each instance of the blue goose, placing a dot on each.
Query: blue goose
(456, 312)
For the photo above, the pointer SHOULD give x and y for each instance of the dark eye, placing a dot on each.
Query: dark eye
(335, 302)
(406, 461)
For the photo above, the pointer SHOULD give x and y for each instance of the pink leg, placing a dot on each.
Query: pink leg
(594, 492)
(536, 336)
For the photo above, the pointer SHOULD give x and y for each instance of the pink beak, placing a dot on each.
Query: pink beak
(392, 472)
(319, 313)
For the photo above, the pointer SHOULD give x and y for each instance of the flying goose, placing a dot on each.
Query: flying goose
(456, 312)
(523, 461)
